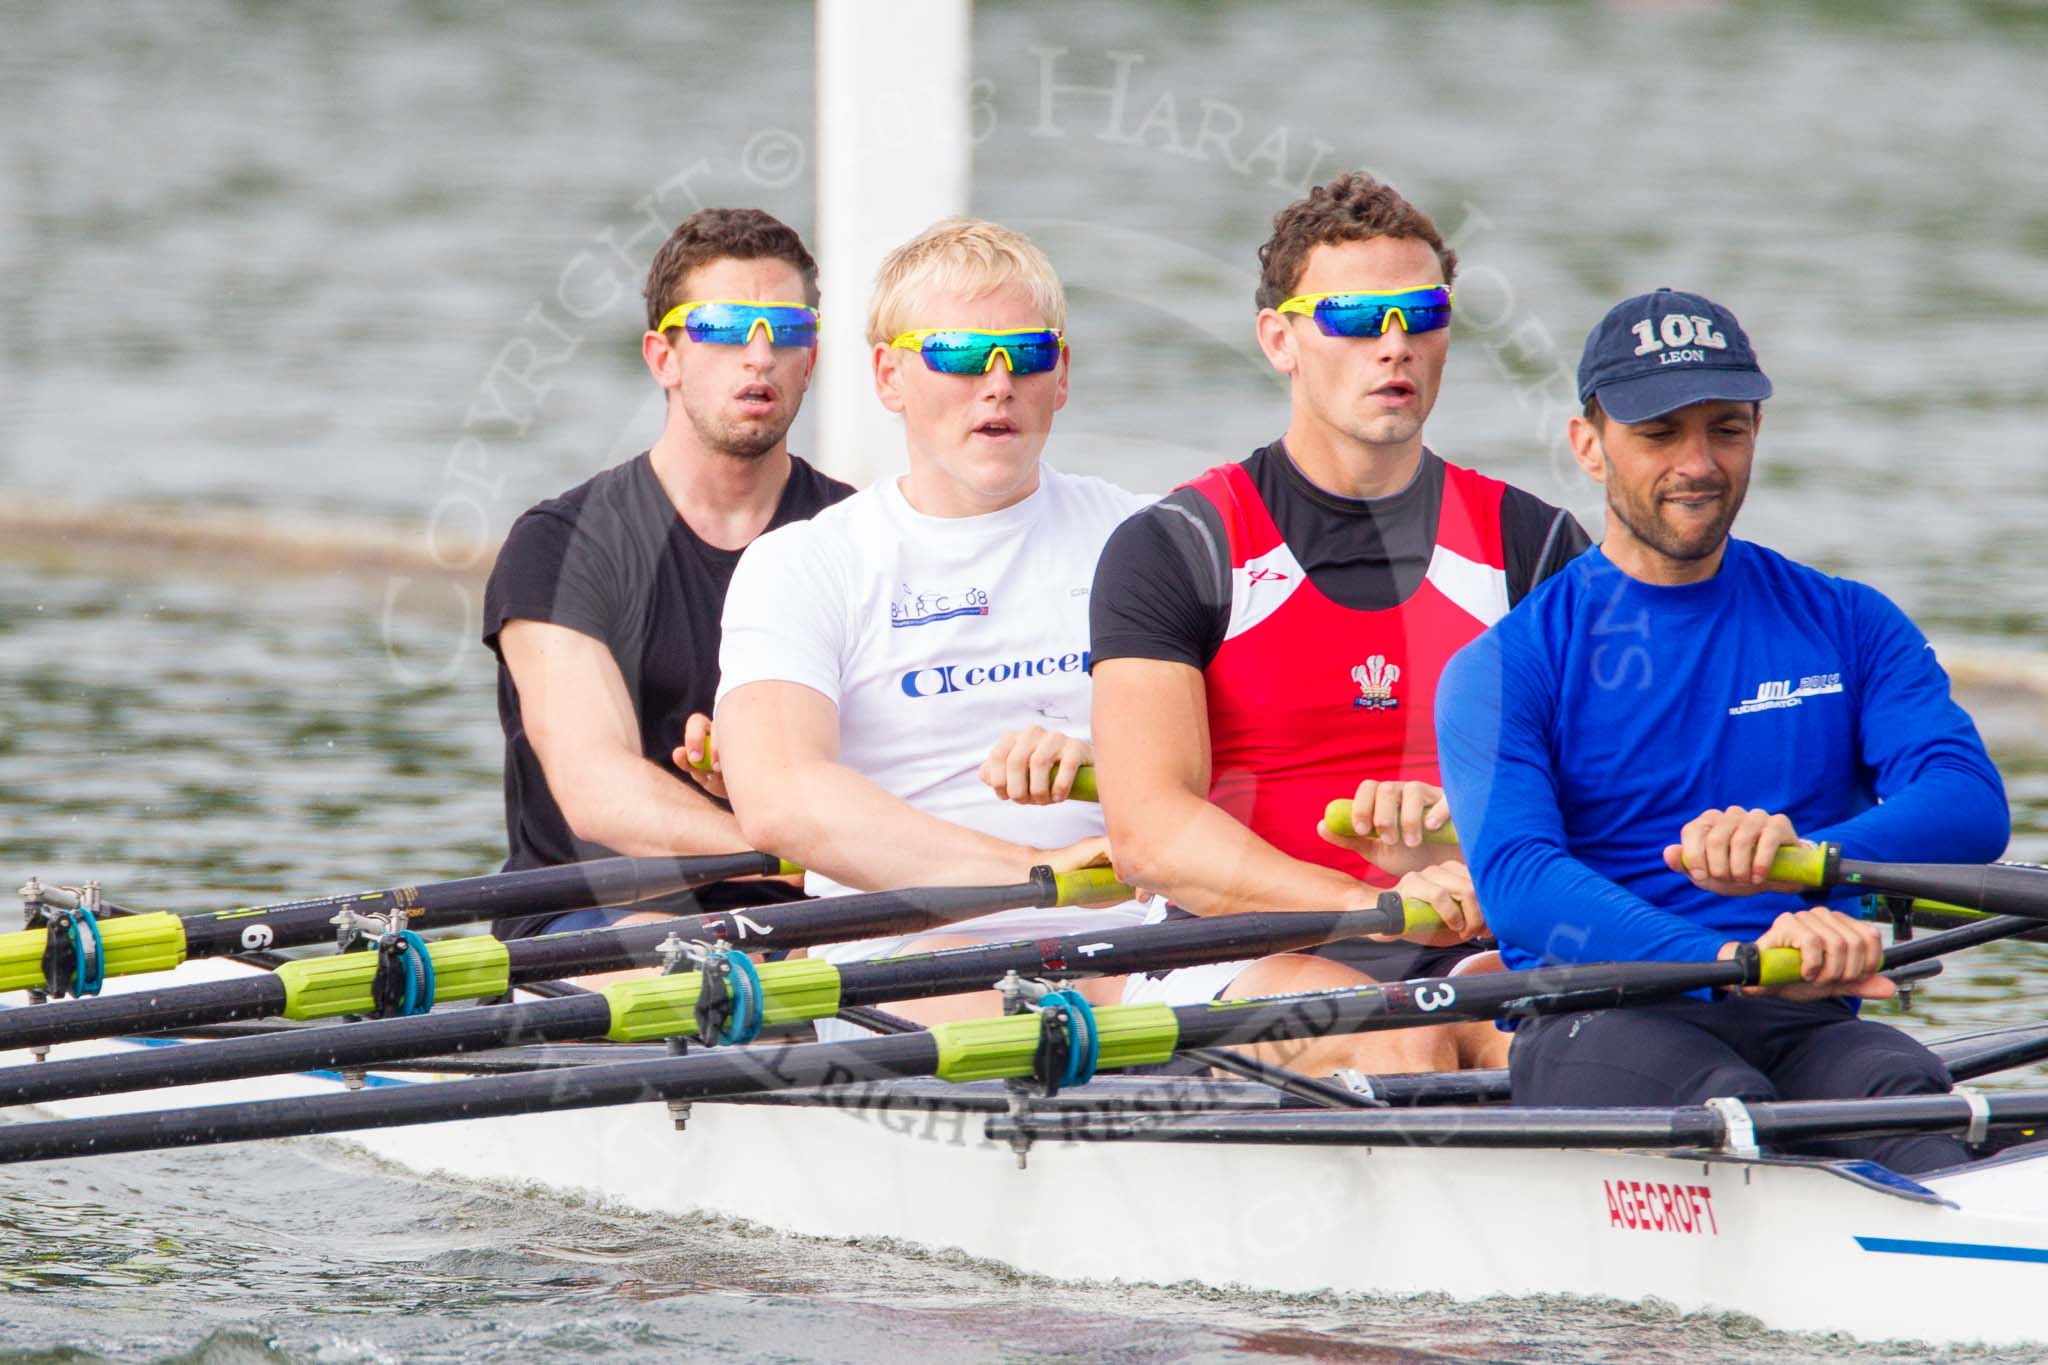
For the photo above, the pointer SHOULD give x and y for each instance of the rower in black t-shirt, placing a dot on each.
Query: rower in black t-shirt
(603, 607)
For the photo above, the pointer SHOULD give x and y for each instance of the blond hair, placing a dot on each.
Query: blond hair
(961, 256)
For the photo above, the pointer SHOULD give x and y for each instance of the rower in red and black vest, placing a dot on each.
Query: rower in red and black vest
(1362, 648)
(1270, 635)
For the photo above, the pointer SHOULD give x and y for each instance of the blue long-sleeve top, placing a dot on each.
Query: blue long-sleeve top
(1586, 727)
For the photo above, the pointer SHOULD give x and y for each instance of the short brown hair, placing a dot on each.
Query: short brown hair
(1352, 208)
(723, 234)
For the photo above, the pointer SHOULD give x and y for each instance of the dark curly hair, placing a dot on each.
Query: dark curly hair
(1352, 208)
(719, 234)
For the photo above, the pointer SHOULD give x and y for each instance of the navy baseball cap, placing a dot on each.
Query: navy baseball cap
(1658, 352)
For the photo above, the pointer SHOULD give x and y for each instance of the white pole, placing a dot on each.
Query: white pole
(894, 156)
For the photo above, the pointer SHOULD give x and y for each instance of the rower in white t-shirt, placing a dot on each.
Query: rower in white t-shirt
(870, 656)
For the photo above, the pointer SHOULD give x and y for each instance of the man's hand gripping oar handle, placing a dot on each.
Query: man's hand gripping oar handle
(1403, 915)
(1083, 789)
(1337, 815)
(2012, 891)
(1768, 966)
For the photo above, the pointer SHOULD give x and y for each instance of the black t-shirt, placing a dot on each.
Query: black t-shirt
(1162, 587)
(611, 559)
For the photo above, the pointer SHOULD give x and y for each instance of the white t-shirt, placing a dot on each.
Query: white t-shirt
(934, 636)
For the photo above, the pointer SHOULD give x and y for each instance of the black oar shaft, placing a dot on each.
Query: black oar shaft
(1496, 1127)
(1111, 951)
(1497, 995)
(1776, 1123)
(256, 996)
(2000, 888)
(1988, 1054)
(467, 900)
(331, 1047)
(873, 914)
(699, 1076)
(1949, 940)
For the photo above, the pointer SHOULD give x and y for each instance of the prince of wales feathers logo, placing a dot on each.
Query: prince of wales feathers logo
(1375, 678)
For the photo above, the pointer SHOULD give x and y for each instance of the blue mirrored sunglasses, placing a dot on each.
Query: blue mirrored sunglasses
(1369, 313)
(733, 322)
(969, 350)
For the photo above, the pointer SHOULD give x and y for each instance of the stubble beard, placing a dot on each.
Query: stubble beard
(742, 439)
(1641, 517)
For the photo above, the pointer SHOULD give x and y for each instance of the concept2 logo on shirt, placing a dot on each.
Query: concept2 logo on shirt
(923, 608)
(942, 679)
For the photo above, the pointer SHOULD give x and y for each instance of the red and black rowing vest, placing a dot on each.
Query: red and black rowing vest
(1308, 698)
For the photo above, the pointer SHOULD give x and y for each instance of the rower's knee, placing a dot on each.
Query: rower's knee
(1481, 1046)
(1881, 1060)
(1399, 1051)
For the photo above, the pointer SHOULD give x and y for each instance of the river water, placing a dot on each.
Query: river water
(287, 347)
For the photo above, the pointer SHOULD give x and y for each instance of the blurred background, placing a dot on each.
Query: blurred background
(304, 304)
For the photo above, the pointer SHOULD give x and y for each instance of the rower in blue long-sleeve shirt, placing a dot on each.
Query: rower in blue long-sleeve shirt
(1627, 750)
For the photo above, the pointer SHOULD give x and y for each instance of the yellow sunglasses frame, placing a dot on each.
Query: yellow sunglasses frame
(678, 315)
(1305, 304)
(914, 341)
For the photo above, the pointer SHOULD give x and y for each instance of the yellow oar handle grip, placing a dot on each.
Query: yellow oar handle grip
(1778, 967)
(1806, 865)
(1337, 815)
(1802, 865)
(1419, 917)
(1090, 885)
(1084, 782)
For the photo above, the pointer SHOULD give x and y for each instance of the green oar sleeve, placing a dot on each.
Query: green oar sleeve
(666, 1006)
(323, 987)
(133, 944)
(993, 1049)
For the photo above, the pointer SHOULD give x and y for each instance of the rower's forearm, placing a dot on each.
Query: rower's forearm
(630, 806)
(835, 822)
(1200, 858)
(1951, 813)
(1547, 903)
